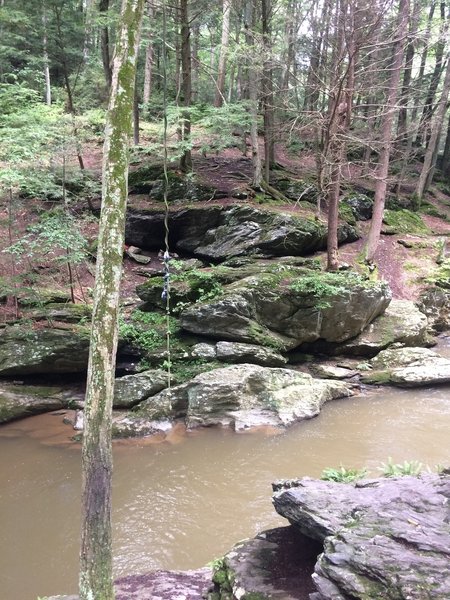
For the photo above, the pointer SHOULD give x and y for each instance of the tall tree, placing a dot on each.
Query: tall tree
(103, 8)
(429, 163)
(387, 120)
(267, 91)
(186, 87)
(96, 579)
(252, 79)
(220, 86)
(148, 69)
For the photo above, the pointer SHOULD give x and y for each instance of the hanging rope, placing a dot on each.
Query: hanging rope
(166, 257)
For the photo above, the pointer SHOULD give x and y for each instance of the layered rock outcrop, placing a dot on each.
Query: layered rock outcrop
(383, 538)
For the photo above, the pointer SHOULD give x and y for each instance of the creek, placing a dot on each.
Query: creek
(182, 503)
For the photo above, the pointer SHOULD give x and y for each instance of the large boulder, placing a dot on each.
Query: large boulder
(151, 180)
(219, 232)
(402, 322)
(383, 538)
(284, 310)
(408, 367)
(434, 302)
(27, 351)
(246, 230)
(19, 401)
(237, 352)
(132, 389)
(244, 396)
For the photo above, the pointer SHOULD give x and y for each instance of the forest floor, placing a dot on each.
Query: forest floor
(404, 260)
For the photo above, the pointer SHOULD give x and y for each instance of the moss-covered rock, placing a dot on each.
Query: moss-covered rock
(403, 221)
(408, 367)
(181, 187)
(243, 396)
(132, 389)
(288, 308)
(360, 205)
(296, 189)
(26, 351)
(218, 233)
(20, 401)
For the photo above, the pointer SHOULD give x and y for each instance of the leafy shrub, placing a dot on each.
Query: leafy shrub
(343, 474)
(390, 469)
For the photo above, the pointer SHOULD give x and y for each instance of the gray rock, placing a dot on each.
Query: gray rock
(401, 322)
(235, 352)
(246, 230)
(244, 396)
(361, 206)
(220, 232)
(435, 304)
(66, 313)
(331, 371)
(19, 401)
(26, 351)
(383, 538)
(283, 310)
(408, 367)
(275, 564)
(132, 389)
(159, 585)
(204, 351)
(130, 425)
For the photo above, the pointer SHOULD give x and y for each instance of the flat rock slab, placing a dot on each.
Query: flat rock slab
(383, 538)
(408, 367)
(160, 585)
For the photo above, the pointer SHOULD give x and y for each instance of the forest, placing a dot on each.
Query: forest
(219, 217)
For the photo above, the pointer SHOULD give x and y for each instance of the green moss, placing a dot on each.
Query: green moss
(404, 221)
(377, 378)
(346, 214)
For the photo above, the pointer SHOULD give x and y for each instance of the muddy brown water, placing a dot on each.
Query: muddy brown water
(180, 504)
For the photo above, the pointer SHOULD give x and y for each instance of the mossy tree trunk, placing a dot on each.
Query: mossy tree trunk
(96, 581)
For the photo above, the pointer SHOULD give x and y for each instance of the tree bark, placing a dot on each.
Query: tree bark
(382, 169)
(103, 7)
(48, 89)
(435, 77)
(429, 163)
(186, 87)
(221, 72)
(407, 74)
(446, 155)
(148, 69)
(96, 579)
(252, 95)
(269, 142)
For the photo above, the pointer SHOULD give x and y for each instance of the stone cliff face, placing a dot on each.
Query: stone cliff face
(382, 538)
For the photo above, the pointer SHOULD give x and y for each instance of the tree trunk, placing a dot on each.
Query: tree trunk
(220, 87)
(195, 60)
(435, 78)
(409, 58)
(446, 156)
(382, 168)
(48, 89)
(269, 143)
(148, 69)
(96, 579)
(103, 7)
(429, 162)
(253, 95)
(186, 87)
